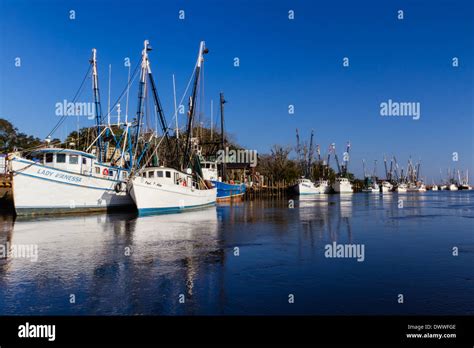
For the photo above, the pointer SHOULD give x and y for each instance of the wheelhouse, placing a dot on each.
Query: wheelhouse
(167, 176)
(79, 162)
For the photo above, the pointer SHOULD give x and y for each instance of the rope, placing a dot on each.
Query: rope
(63, 118)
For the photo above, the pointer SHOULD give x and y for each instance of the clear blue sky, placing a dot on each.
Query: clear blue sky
(282, 62)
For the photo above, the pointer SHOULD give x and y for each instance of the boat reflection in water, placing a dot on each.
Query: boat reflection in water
(245, 258)
(112, 264)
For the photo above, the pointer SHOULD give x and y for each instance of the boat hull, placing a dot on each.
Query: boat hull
(39, 189)
(226, 192)
(342, 187)
(153, 198)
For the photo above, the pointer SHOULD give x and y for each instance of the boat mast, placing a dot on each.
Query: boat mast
(98, 110)
(192, 103)
(141, 92)
(175, 108)
(223, 166)
(310, 153)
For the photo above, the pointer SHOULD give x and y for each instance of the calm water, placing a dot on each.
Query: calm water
(407, 251)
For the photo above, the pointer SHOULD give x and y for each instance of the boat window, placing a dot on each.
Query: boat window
(159, 173)
(84, 160)
(124, 175)
(61, 158)
(49, 157)
(168, 174)
(73, 159)
(97, 170)
(151, 174)
(111, 173)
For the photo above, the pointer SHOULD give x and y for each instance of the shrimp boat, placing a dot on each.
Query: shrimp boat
(402, 188)
(306, 187)
(55, 180)
(452, 187)
(342, 185)
(60, 180)
(386, 187)
(323, 186)
(165, 189)
(434, 187)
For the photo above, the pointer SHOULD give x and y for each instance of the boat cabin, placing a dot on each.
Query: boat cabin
(79, 162)
(209, 170)
(304, 181)
(167, 176)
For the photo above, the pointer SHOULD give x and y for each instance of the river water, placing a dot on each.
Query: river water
(255, 257)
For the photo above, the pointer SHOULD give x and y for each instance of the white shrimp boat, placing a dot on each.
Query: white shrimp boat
(371, 189)
(342, 185)
(452, 187)
(54, 180)
(306, 187)
(167, 190)
(434, 188)
(58, 180)
(386, 186)
(323, 186)
(402, 188)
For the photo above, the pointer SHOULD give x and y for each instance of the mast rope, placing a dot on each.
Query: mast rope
(63, 118)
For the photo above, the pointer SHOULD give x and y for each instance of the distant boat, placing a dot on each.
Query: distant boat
(452, 187)
(342, 185)
(402, 187)
(323, 186)
(434, 188)
(416, 188)
(371, 189)
(55, 180)
(386, 186)
(167, 190)
(306, 187)
(443, 187)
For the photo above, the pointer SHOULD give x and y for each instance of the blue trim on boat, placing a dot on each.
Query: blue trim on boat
(225, 190)
(68, 183)
(171, 210)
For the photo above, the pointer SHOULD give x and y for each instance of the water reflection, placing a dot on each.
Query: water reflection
(124, 264)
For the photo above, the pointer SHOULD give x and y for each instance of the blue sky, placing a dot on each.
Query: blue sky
(282, 62)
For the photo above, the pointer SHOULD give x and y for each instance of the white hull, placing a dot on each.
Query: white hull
(402, 188)
(306, 189)
(39, 189)
(434, 188)
(152, 198)
(342, 187)
(452, 187)
(386, 187)
(323, 187)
